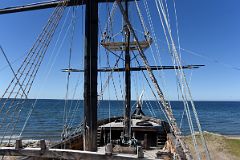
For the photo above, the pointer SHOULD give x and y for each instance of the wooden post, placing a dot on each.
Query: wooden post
(145, 141)
(90, 76)
(18, 144)
(140, 153)
(109, 149)
(43, 144)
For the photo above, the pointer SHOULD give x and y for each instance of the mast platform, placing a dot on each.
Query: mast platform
(121, 46)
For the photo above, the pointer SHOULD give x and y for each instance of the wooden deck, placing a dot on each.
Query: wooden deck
(153, 126)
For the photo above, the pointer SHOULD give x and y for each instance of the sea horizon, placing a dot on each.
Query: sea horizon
(46, 119)
(131, 100)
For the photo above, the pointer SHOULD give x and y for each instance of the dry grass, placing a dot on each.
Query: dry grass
(233, 145)
(220, 147)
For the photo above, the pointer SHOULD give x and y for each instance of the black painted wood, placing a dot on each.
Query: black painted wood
(90, 76)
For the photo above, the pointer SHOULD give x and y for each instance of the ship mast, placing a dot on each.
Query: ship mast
(127, 118)
(90, 76)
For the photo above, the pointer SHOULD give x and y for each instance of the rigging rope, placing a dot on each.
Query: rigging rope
(66, 113)
(152, 77)
(165, 114)
(146, 63)
(176, 20)
(50, 68)
(109, 22)
(186, 107)
(182, 78)
(9, 64)
(141, 18)
(108, 79)
(28, 70)
(211, 59)
(155, 41)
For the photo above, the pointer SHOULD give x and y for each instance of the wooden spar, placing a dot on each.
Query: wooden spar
(90, 76)
(43, 5)
(127, 114)
(141, 68)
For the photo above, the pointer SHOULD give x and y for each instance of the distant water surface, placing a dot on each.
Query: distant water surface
(46, 120)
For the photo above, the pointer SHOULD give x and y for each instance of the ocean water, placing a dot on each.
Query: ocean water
(46, 120)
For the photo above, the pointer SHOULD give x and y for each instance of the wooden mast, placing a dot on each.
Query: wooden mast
(90, 64)
(90, 76)
(127, 118)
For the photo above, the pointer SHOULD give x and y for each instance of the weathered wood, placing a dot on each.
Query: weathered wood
(140, 153)
(109, 149)
(90, 76)
(172, 145)
(164, 155)
(134, 129)
(75, 141)
(43, 144)
(140, 68)
(127, 111)
(125, 150)
(18, 144)
(43, 5)
(121, 46)
(146, 141)
(60, 153)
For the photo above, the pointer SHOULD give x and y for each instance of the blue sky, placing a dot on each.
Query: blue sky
(210, 29)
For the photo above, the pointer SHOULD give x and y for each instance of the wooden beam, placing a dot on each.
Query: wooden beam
(45, 5)
(121, 46)
(60, 153)
(141, 68)
(134, 129)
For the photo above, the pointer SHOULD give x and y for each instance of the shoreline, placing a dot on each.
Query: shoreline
(222, 147)
(232, 136)
(32, 140)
